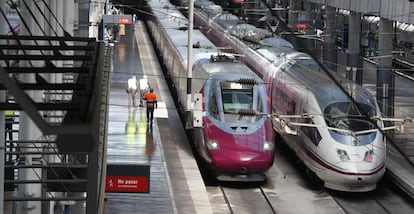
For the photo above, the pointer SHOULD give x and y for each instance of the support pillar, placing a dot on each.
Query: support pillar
(68, 16)
(329, 50)
(307, 17)
(293, 13)
(2, 122)
(28, 129)
(385, 74)
(2, 152)
(354, 61)
(82, 18)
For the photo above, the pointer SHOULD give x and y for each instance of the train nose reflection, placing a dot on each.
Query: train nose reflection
(139, 133)
(131, 126)
(149, 143)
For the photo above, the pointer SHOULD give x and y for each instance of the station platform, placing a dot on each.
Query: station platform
(176, 185)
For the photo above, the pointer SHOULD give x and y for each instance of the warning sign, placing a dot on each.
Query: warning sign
(302, 26)
(117, 19)
(127, 178)
(126, 184)
(124, 20)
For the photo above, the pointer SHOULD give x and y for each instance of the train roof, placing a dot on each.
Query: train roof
(168, 16)
(251, 33)
(175, 25)
(303, 71)
(208, 7)
(228, 71)
(277, 42)
(248, 30)
(279, 55)
(234, 25)
(227, 20)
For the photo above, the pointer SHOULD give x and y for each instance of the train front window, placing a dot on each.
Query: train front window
(345, 116)
(242, 97)
(237, 99)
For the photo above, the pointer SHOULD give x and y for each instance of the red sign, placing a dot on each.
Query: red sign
(127, 184)
(124, 20)
(302, 25)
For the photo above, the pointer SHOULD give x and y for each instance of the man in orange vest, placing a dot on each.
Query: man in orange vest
(151, 99)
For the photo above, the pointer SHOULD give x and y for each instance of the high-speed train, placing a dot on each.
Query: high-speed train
(236, 140)
(324, 118)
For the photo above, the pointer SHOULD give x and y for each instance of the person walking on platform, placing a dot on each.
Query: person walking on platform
(9, 120)
(143, 89)
(132, 90)
(151, 102)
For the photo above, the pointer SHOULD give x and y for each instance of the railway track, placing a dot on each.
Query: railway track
(287, 191)
(242, 198)
(386, 199)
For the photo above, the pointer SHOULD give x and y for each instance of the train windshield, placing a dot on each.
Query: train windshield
(237, 99)
(344, 117)
(241, 97)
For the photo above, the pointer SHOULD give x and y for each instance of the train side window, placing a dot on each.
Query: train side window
(213, 108)
(260, 101)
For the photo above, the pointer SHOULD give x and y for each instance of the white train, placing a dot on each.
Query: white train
(236, 140)
(330, 128)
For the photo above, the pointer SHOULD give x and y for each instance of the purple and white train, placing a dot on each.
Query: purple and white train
(236, 140)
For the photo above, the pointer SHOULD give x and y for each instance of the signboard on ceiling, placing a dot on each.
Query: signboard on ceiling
(302, 26)
(124, 20)
(117, 19)
(128, 178)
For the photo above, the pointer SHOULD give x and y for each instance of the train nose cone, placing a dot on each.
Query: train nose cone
(247, 156)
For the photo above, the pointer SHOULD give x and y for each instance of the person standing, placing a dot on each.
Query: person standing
(115, 32)
(121, 31)
(132, 90)
(151, 104)
(143, 88)
(9, 115)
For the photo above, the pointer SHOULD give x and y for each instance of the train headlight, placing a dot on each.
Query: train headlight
(343, 155)
(213, 144)
(369, 156)
(268, 146)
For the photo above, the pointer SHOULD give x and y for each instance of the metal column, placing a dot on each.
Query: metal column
(83, 19)
(28, 129)
(329, 50)
(385, 75)
(2, 121)
(354, 61)
(307, 17)
(293, 13)
(2, 153)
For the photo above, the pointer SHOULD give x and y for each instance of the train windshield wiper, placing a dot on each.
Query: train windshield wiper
(243, 112)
